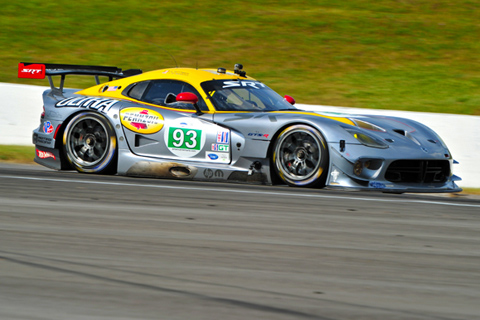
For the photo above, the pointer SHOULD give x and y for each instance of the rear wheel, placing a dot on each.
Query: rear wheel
(90, 143)
(300, 156)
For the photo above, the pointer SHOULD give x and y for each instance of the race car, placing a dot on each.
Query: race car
(222, 125)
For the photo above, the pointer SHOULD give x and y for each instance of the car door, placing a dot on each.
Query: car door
(176, 132)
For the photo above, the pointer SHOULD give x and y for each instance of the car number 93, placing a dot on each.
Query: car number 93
(184, 138)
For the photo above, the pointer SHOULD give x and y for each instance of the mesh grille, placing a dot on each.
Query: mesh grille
(418, 171)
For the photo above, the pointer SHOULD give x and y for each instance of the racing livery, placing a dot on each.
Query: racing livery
(222, 125)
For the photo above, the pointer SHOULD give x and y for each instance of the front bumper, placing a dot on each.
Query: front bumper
(383, 174)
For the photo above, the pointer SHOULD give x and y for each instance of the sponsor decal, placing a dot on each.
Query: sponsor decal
(217, 157)
(258, 135)
(185, 137)
(335, 173)
(48, 127)
(376, 185)
(141, 120)
(220, 147)
(31, 71)
(180, 73)
(99, 104)
(209, 174)
(250, 84)
(44, 140)
(212, 156)
(114, 88)
(223, 137)
(45, 154)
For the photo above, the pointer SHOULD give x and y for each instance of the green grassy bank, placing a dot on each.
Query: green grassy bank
(418, 55)
(17, 154)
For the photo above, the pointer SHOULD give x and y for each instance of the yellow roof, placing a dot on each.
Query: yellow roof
(189, 75)
(192, 76)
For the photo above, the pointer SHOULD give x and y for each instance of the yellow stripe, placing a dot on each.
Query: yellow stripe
(339, 119)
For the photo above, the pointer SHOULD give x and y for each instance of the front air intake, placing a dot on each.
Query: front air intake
(418, 171)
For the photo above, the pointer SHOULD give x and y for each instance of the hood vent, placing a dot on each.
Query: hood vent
(407, 135)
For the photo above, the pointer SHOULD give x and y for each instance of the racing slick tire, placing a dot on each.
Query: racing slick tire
(300, 156)
(90, 143)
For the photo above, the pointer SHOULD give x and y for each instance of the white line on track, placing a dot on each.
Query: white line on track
(309, 195)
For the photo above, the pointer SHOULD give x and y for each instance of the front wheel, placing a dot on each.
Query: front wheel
(300, 156)
(90, 143)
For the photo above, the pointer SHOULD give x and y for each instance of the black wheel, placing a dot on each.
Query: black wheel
(300, 156)
(90, 143)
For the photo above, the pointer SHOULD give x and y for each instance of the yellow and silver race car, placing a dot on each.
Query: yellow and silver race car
(221, 125)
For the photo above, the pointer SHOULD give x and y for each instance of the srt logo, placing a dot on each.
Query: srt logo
(252, 84)
(31, 71)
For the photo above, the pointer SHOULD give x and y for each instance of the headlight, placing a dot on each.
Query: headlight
(366, 139)
(366, 125)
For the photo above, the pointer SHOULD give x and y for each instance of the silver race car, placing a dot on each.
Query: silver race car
(221, 125)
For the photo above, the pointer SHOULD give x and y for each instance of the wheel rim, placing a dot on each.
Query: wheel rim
(299, 156)
(87, 142)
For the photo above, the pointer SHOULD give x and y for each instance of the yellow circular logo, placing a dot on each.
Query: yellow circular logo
(141, 120)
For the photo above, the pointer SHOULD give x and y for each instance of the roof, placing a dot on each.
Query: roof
(189, 75)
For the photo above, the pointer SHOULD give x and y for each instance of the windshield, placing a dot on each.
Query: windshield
(243, 95)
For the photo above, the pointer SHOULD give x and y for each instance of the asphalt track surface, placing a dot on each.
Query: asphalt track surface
(76, 246)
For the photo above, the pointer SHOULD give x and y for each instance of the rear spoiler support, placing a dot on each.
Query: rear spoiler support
(40, 70)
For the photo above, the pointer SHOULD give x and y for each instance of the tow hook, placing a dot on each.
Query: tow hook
(254, 167)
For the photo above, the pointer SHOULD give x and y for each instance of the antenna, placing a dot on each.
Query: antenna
(176, 65)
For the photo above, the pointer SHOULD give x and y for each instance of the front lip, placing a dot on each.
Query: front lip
(444, 189)
(373, 176)
(340, 180)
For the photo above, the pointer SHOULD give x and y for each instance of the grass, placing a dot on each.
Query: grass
(17, 154)
(474, 191)
(417, 55)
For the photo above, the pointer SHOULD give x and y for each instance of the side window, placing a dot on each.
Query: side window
(136, 91)
(163, 93)
(250, 98)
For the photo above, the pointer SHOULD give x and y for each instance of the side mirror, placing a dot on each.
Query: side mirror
(189, 97)
(289, 100)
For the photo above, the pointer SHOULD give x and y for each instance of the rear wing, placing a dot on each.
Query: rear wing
(40, 70)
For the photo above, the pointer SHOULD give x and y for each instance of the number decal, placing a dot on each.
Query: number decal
(178, 138)
(193, 139)
(184, 138)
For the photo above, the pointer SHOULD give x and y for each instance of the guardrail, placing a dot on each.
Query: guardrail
(22, 104)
